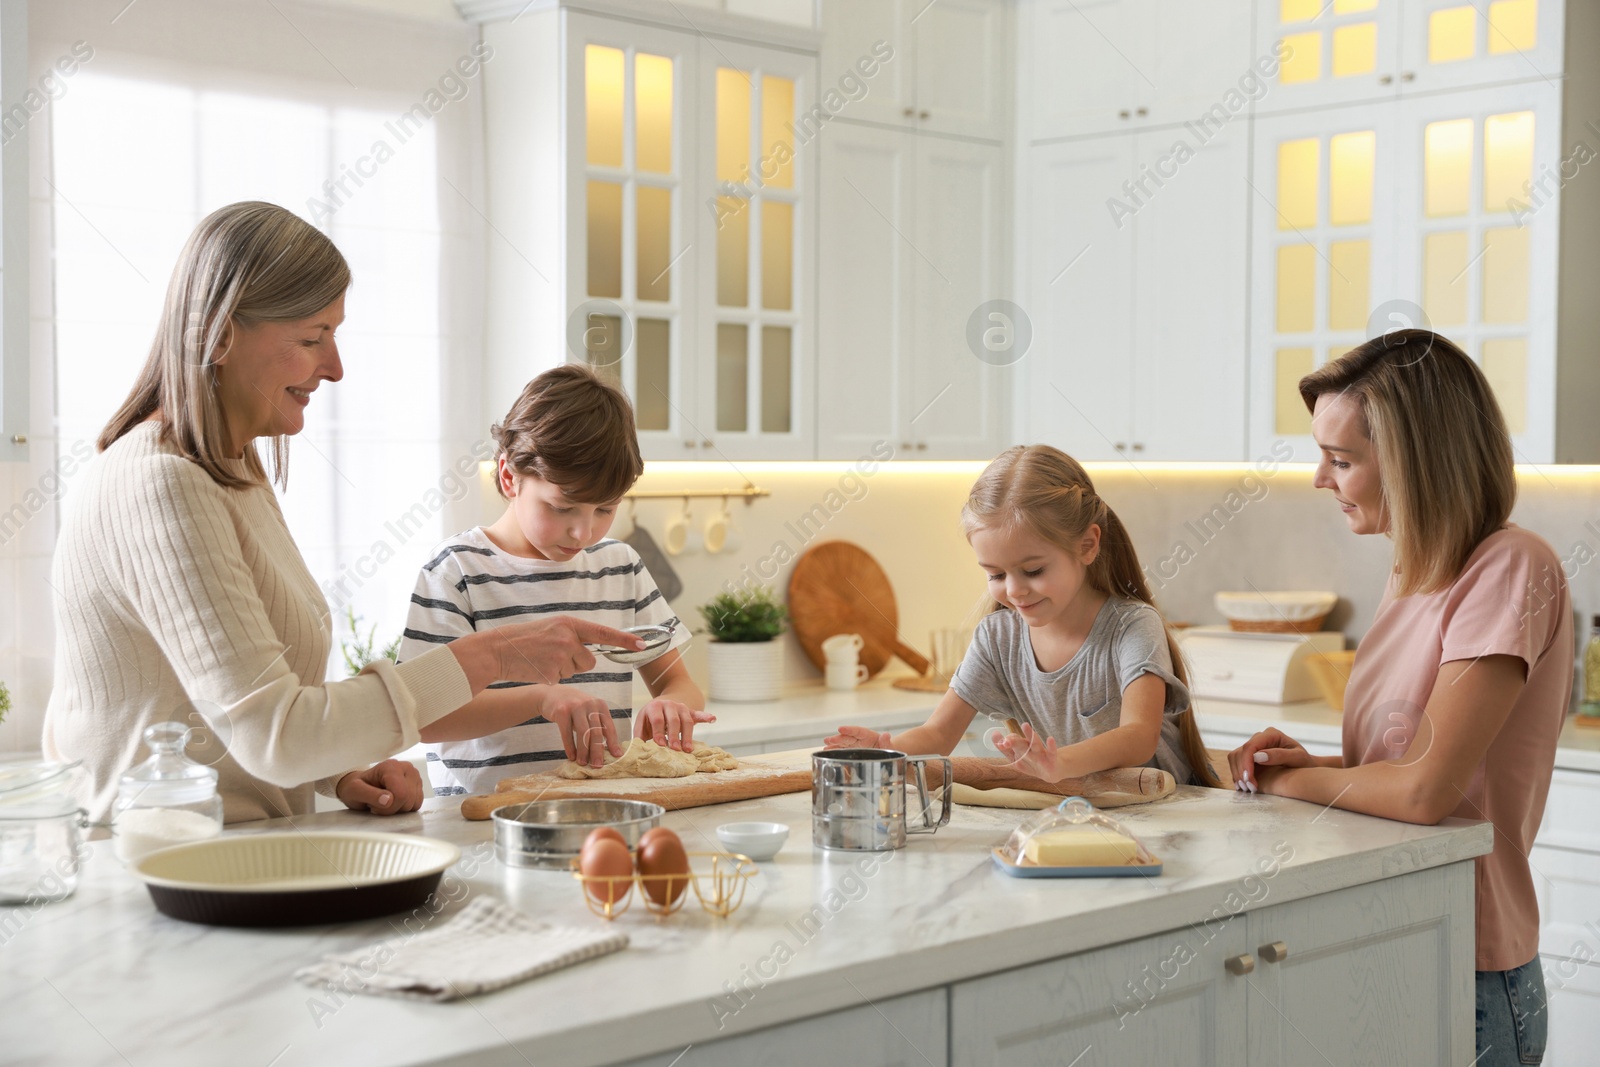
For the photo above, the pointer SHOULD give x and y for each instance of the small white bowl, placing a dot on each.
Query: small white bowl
(758, 840)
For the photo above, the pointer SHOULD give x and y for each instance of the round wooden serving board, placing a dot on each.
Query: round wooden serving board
(838, 588)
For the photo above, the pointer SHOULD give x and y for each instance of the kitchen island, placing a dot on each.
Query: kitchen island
(1277, 931)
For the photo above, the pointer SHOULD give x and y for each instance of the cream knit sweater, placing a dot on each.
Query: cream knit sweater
(178, 599)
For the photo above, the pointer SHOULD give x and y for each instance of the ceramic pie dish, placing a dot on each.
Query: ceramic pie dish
(293, 878)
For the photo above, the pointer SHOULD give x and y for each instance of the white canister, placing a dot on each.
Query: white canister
(745, 670)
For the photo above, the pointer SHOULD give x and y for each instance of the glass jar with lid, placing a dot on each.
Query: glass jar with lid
(168, 799)
(40, 845)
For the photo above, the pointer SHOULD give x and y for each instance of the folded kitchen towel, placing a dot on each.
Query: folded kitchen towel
(488, 946)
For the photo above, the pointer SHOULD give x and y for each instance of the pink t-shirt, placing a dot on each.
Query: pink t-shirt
(1510, 599)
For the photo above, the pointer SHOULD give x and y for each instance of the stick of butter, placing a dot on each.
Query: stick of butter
(1086, 847)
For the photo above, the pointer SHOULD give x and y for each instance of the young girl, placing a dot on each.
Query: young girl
(1073, 648)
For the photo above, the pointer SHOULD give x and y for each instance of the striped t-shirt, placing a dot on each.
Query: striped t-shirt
(470, 585)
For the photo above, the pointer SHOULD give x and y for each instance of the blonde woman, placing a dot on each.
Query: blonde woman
(180, 594)
(1461, 684)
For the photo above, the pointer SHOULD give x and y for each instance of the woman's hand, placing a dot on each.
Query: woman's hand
(669, 723)
(388, 788)
(1031, 754)
(1269, 748)
(584, 721)
(856, 737)
(543, 651)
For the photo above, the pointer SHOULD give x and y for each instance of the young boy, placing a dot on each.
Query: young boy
(567, 454)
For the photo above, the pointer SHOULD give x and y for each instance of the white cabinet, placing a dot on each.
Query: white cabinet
(949, 70)
(1163, 999)
(1413, 212)
(1565, 861)
(1136, 265)
(908, 1031)
(652, 194)
(1348, 51)
(1122, 64)
(912, 246)
(1372, 974)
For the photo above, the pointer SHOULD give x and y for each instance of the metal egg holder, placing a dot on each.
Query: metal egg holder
(719, 890)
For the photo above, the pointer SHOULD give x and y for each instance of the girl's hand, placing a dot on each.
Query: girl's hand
(669, 723)
(587, 730)
(388, 788)
(856, 737)
(1031, 754)
(1269, 748)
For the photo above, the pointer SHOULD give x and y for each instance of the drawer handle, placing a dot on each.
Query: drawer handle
(1241, 964)
(1276, 952)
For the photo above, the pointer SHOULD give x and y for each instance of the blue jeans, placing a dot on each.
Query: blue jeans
(1513, 1019)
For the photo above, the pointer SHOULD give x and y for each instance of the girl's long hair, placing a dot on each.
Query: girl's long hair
(1048, 493)
(244, 264)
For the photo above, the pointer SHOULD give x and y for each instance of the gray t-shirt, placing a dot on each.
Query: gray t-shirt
(1000, 677)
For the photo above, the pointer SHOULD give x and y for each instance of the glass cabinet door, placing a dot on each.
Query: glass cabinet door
(756, 302)
(1452, 43)
(627, 279)
(1324, 241)
(1482, 178)
(1329, 51)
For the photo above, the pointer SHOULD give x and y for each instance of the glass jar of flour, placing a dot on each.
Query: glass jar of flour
(167, 800)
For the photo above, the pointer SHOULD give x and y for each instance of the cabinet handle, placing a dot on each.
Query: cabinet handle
(909, 112)
(706, 443)
(905, 446)
(1409, 76)
(1138, 446)
(1276, 952)
(1123, 113)
(19, 438)
(1387, 79)
(922, 115)
(1241, 964)
(1142, 112)
(922, 446)
(688, 442)
(1120, 446)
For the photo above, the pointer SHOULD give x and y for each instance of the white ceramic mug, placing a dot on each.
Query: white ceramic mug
(722, 533)
(846, 675)
(681, 538)
(843, 648)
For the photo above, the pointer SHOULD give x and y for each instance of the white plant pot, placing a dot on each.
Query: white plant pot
(746, 671)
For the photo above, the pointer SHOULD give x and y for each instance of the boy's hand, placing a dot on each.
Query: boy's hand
(669, 723)
(856, 737)
(388, 788)
(1031, 754)
(587, 730)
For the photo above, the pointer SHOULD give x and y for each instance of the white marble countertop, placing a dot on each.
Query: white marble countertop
(809, 710)
(105, 979)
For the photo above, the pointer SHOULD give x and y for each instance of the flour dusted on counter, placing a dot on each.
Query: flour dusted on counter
(138, 831)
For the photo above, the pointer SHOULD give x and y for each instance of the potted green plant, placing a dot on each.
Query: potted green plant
(745, 656)
(5, 702)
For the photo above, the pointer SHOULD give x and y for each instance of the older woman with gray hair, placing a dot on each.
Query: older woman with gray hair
(180, 593)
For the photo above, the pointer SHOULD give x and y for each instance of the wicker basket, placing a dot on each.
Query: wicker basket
(1277, 626)
(1331, 672)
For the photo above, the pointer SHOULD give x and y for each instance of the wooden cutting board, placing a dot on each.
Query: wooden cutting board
(757, 776)
(838, 588)
(776, 773)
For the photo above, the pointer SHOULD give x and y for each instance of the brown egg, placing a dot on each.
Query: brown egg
(602, 857)
(661, 852)
(604, 832)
